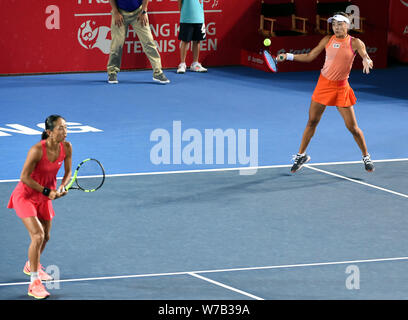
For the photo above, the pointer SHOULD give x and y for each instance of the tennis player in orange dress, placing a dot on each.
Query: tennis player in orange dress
(33, 195)
(332, 88)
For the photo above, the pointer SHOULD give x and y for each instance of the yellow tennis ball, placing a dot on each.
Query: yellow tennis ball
(267, 42)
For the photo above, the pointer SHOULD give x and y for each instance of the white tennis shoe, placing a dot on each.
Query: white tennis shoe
(197, 67)
(181, 68)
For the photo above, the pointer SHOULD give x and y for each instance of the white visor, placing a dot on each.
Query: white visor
(339, 17)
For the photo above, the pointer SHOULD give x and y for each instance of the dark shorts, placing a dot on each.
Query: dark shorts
(191, 32)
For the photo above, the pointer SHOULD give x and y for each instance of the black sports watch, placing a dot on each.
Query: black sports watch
(144, 11)
(46, 192)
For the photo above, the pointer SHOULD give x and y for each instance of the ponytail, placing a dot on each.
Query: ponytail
(44, 135)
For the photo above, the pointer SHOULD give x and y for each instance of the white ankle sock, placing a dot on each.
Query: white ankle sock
(34, 276)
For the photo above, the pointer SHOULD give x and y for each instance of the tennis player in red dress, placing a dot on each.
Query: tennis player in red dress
(333, 88)
(33, 195)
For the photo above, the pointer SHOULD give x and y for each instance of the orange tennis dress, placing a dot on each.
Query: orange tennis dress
(28, 202)
(333, 88)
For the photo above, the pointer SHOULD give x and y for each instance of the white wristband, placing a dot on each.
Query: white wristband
(289, 56)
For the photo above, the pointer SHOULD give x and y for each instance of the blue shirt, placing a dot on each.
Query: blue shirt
(192, 11)
(128, 5)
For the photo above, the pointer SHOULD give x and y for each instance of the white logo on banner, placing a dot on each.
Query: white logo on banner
(94, 38)
(214, 2)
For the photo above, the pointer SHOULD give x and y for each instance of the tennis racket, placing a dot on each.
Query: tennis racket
(89, 176)
(271, 61)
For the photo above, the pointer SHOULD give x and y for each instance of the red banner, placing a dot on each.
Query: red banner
(41, 36)
(74, 35)
(398, 29)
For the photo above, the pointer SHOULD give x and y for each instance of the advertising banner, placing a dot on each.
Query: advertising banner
(47, 36)
(43, 36)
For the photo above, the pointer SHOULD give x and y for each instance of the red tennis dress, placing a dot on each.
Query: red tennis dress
(28, 202)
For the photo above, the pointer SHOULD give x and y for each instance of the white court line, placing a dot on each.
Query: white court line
(219, 270)
(229, 169)
(150, 12)
(356, 181)
(225, 286)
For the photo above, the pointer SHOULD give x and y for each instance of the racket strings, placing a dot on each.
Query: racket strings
(90, 175)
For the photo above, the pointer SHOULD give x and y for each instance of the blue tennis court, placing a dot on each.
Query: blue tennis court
(206, 223)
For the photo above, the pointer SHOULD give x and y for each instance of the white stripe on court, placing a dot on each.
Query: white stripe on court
(225, 286)
(230, 169)
(316, 264)
(356, 181)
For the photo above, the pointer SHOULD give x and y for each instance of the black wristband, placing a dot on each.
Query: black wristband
(144, 12)
(46, 192)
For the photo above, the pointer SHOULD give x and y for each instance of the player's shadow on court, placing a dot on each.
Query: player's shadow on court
(267, 185)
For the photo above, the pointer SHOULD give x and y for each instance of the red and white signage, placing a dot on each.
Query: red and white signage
(44, 36)
(74, 35)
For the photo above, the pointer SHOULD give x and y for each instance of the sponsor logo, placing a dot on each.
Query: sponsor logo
(255, 60)
(91, 36)
(336, 45)
(72, 127)
(297, 51)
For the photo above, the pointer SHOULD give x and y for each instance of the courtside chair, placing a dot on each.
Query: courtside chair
(270, 12)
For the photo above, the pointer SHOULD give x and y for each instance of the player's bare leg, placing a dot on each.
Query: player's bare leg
(315, 114)
(350, 121)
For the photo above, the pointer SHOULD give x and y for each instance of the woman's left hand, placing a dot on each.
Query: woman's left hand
(367, 65)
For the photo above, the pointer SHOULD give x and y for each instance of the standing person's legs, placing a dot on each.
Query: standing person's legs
(183, 51)
(198, 36)
(148, 44)
(183, 54)
(350, 121)
(315, 114)
(196, 51)
(118, 39)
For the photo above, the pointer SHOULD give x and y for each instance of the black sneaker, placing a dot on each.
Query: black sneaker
(112, 78)
(368, 163)
(299, 161)
(161, 78)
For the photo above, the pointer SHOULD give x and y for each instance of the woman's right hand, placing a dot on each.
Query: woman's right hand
(53, 195)
(281, 57)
